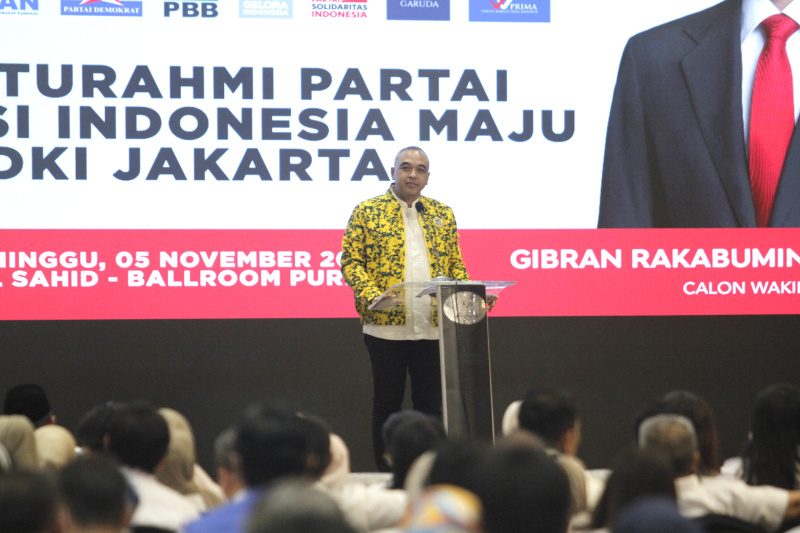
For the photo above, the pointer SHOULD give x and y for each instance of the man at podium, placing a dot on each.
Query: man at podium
(401, 237)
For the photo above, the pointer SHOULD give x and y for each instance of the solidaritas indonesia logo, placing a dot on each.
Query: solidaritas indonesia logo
(339, 9)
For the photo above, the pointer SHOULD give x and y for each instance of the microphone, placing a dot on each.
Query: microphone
(420, 207)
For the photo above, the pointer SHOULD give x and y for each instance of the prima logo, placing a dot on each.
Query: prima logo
(509, 10)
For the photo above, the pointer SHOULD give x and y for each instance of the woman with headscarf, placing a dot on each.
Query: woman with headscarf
(179, 469)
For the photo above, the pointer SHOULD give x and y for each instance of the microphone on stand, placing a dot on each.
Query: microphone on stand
(421, 210)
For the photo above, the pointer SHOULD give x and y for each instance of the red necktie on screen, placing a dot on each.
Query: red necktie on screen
(771, 115)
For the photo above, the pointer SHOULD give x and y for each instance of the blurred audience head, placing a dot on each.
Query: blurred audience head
(28, 503)
(318, 445)
(409, 434)
(139, 436)
(511, 417)
(93, 429)
(296, 506)
(673, 437)
(771, 455)
(270, 443)
(16, 436)
(697, 410)
(94, 496)
(635, 473)
(454, 461)
(338, 469)
(55, 446)
(522, 490)
(29, 400)
(177, 469)
(552, 415)
(229, 472)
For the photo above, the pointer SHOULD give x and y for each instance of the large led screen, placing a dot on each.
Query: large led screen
(200, 159)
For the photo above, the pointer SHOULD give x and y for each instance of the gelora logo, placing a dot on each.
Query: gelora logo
(267, 9)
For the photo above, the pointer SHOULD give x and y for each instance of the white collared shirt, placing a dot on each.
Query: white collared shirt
(754, 12)
(764, 506)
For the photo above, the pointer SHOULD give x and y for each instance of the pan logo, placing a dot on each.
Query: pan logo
(102, 8)
(509, 10)
(19, 7)
(418, 10)
(265, 9)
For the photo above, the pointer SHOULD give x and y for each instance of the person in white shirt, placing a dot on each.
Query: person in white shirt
(138, 437)
(673, 436)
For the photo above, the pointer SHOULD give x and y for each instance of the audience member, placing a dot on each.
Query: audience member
(270, 444)
(93, 428)
(453, 462)
(318, 445)
(772, 454)
(511, 418)
(407, 435)
(55, 446)
(27, 503)
(180, 470)
(29, 400)
(226, 460)
(335, 475)
(673, 436)
(696, 409)
(654, 515)
(553, 416)
(635, 474)
(521, 489)
(6, 465)
(444, 509)
(287, 472)
(366, 508)
(138, 438)
(94, 497)
(296, 506)
(16, 436)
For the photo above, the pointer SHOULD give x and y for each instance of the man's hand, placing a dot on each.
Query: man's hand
(491, 301)
(386, 302)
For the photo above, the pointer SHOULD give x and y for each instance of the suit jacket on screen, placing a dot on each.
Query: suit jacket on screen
(675, 149)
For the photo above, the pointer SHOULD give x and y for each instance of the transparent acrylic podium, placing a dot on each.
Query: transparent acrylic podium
(460, 306)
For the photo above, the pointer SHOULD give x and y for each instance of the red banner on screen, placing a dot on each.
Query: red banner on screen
(160, 274)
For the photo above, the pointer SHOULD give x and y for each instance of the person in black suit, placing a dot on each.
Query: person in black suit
(676, 149)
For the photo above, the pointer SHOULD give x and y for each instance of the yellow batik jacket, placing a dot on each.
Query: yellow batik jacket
(374, 251)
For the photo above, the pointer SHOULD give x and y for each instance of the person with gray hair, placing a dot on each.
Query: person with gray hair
(673, 436)
(297, 506)
(764, 506)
